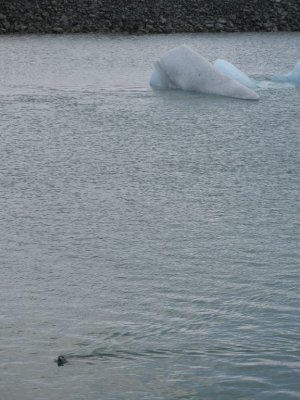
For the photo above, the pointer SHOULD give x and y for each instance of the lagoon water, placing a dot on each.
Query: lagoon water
(151, 237)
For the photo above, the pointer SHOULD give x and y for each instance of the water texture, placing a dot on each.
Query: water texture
(152, 238)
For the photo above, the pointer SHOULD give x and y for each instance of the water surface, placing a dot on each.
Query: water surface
(151, 237)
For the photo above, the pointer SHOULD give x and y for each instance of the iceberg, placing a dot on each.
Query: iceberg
(230, 70)
(183, 68)
(291, 77)
(159, 79)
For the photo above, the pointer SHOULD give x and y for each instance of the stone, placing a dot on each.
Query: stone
(219, 26)
(57, 29)
(6, 25)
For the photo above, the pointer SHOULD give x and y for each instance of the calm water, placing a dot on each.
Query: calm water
(151, 237)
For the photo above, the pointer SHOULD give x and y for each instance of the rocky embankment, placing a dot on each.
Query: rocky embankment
(148, 16)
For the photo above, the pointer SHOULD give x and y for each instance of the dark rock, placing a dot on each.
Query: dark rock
(162, 19)
(6, 25)
(58, 30)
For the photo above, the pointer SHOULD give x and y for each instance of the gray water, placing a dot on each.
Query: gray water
(153, 238)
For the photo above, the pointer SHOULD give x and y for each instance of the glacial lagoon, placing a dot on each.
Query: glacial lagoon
(151, 237)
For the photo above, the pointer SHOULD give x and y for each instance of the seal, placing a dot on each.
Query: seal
(61, 361)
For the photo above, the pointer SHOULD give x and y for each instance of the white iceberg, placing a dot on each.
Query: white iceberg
(230, 70)
(159, 79)
(291, 77)
(183, 68)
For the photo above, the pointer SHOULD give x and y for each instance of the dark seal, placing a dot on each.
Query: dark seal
(61, 361)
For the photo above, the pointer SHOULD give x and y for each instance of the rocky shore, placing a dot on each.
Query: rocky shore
(148, 16)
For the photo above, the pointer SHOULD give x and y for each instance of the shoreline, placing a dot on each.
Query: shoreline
(141, 17)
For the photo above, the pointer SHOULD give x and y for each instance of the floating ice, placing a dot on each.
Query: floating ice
(183, 68)
(159, 79)
(291, 77)
(230, 70)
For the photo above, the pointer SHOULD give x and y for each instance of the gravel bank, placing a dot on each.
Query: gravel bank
(148, 16)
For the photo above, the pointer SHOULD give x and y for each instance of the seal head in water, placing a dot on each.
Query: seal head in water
(61, 360)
